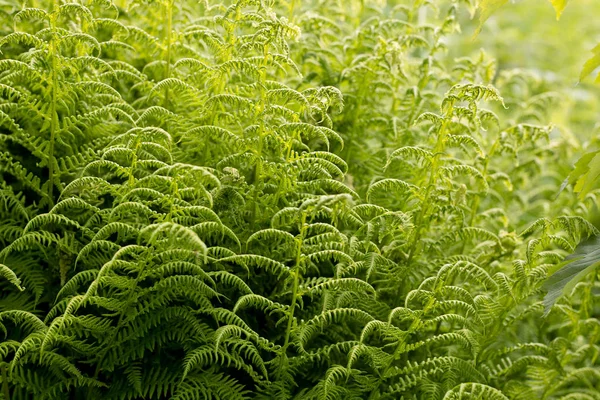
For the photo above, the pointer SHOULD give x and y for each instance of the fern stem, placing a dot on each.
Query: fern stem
(587, 303)
(258, 169)
(355, 116)
(5, 390)
(118, 326)
(169, 5)
(53, 110)
(296, 273)
(292, 307)
(477, 200)
(439, 148)
(396, 355)
(292, 6)
(486, 164)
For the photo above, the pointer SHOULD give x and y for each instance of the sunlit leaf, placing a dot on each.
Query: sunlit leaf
(591, 64)
(486, 9)
(574, 268)
(559, 6)
(586, 174)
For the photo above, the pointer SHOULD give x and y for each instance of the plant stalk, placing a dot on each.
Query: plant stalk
(5, 390)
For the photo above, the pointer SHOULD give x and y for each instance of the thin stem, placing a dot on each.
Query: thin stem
(258, 169)
(53, 108)
(169, 5)
(477, 200)
(118, 326)
(292, 6)
(5, 390)
(296, 272)
(439, 148)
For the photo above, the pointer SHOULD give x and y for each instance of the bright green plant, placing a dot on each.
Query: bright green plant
(279, 200)
(584, 178)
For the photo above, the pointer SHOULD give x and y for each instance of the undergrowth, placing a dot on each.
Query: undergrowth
(279, 200)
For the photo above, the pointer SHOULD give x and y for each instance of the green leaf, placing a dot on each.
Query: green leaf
(486, 9)
(8, 274)
(588, 182)
(573, 269)
(586, 174)
(591, 64)
(559, 6)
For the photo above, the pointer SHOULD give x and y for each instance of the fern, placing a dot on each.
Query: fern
(273, 200)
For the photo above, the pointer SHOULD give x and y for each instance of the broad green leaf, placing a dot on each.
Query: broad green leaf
(574, 268)
(486, 9)
(589, 181)
(586, 174)
(591, 64)
(559, 6)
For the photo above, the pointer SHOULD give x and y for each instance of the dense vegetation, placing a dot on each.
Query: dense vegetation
(265, 199)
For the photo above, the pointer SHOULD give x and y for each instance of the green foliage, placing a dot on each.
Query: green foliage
(584, 178)
(559, 6)
(488, 7)
(580, 263)
(279, 200)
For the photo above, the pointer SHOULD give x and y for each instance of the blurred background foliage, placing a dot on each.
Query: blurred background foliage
(526, 35)
(559, 47)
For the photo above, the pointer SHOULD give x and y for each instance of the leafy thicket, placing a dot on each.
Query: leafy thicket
(279, 200)
(585, 176)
